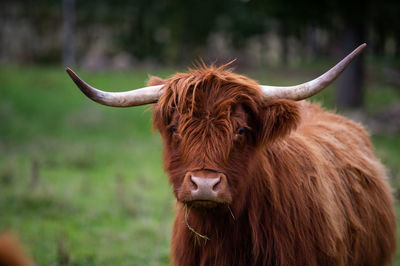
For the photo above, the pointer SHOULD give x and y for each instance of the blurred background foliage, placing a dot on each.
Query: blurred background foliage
(82, 184)
(172, 31)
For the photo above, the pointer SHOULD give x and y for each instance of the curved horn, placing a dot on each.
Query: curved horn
(137, 97)
(308, 89)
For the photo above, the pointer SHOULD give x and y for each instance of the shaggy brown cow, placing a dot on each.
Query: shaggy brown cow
(261, 179)
(11, 252)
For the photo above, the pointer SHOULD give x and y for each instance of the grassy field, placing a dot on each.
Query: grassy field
(83, 184)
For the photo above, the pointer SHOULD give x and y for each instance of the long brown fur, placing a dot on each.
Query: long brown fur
(307, 188)
(11, 251)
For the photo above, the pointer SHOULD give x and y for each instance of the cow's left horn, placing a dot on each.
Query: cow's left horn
(308, 89)
(136, 97)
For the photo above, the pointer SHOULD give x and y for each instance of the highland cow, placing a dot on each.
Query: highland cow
(11, 251)
(262, 177)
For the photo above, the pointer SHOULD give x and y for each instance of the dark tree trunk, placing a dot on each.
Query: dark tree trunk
(397, 51)
(68, 31)
(379, 40)
(350, 90)
(283, 32)
(311, 47)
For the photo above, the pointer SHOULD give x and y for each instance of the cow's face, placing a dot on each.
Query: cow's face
(214, 123)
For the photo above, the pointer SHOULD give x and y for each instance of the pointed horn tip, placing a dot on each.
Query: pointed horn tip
(70, 72)
(75, 78)
(80, 83)
(361, 47)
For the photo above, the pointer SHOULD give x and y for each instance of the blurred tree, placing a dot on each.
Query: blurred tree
(350, 85)
(384, 25)
(243, 20)
(189, 24)
(68, 32)
(351, 28)
(176, 31)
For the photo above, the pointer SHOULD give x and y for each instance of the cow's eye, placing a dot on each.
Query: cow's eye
(173, 128)
(241, 131)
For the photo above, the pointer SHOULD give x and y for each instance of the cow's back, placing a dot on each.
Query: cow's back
(351, 185)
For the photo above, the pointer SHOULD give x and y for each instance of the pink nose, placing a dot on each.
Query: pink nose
(205, 188)
(206, 185)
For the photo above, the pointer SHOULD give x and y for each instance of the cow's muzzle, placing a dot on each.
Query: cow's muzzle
(205, 188)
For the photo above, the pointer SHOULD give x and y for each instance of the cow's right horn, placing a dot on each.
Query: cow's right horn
(136, 97)
(308, 89)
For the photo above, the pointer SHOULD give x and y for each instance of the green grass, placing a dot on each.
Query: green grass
(101, 189)
(101, 197)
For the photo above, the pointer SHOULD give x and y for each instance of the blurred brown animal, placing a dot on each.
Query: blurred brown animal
(11, 252)
(262, 180)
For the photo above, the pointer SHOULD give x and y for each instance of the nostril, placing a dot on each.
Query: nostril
(193, 183)
(217, 184)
